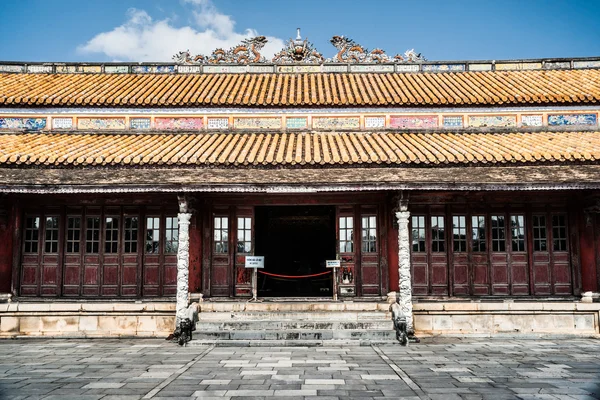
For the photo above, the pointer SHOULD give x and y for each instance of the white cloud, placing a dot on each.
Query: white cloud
(141, 38)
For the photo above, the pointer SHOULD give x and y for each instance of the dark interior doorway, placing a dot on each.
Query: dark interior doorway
(296, 241)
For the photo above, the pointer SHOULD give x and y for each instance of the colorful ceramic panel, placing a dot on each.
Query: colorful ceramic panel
(71, 69)
(532, 120)
(443, 67)
(518, 66)
(62, 123)
(262, 69)
(480, 67)
(39, 69)
(296, 123)
(413, 121)
(257, 123)
(336, 123)
(586, 64)
(179, 123)
(225, 69)
(480, 121)
(374, 122)
(101, 123)
(12, 68)
(189, 69)
(453, 122)
(407, 68)
(139, 123)
(299, 68)
(116, 69)
(572, 119)
(557, 64)
(31, 124)
(371, 68)
(218, 123)
(152, 69)
(335, 68)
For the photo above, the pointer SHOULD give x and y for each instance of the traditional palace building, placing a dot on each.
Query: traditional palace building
(469, 188)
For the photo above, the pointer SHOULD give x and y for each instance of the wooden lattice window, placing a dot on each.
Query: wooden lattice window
(478, 233)
(111, 232)
(498, 233)
(171, 235)
(418, 233)
(152, 235)
(131, 234)
(438, 234)
(559, 233)
(73, 234)
(92, 235)
(539, 233)
(32, 232)
(369, 234)
(517, 226)
(221, 234)
(244, 235)
(346, 234)
(459, 232)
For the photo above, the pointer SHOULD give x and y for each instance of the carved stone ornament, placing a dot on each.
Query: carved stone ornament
(246, 52)
(351, 52)
(298, 51)
(184, 57)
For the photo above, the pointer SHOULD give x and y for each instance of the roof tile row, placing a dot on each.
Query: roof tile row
(287, 149)
(285, 90)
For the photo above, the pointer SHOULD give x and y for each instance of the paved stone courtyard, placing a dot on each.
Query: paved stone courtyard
(436, 369)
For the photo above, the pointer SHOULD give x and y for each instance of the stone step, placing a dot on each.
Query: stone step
(290, 343)
(208, 325)
(295, 316)
(296, 334)
(325, 306)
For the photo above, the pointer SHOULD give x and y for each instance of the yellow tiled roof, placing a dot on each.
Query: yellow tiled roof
(289, 149)
(292, 90)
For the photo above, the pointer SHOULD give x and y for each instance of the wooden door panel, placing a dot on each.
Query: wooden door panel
(500, 282)
(460, 268)
(170, 275)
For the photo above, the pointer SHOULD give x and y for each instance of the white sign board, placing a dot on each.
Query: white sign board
(255, 262)
(332, 263)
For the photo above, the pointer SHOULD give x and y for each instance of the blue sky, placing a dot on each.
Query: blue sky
(153, 30)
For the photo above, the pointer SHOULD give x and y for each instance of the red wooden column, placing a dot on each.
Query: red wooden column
(588, 225)
(6, 248)
(195, 268)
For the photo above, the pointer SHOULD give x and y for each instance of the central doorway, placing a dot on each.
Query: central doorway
(295, 241)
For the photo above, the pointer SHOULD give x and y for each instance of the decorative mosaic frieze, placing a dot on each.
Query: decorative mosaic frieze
(480, 67)
(225, 69)
(39, 69)
(496, 121)
(72, 69)
(557, 64)
(12, 68)
(374, 122)
(189, 69)
(407, 68)
(452, 122)
(532, 120)
(336, 123)
(260, 69)
(30, 124)
(296, 123)
(62, 123)
(179, 123)
(218, 123)
(301, 69)
(139, 123)
(334, 68)
(257, 123)
(443, 67)
(518, 66)
(116, 69)
(572, 119)
(586, 64)
(152, 69)
(414, 121)
(101, 123)
(372, 68)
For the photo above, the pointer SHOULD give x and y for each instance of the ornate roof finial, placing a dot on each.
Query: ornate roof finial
(298, 51)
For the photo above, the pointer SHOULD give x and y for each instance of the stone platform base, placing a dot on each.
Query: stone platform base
(80, 320)
(537, 318)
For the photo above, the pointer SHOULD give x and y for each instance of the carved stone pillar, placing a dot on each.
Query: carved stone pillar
(404, 265)
(183, 259)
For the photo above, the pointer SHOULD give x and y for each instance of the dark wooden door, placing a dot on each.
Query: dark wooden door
(244, 245)
(370, 274)
(346, 249)
(222, 252)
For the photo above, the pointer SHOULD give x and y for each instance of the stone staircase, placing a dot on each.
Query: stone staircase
(293, 323)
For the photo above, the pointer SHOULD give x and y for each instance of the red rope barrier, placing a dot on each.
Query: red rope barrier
(294, 276)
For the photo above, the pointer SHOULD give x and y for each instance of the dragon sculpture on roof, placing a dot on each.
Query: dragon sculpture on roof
(351, 52)
(246, 52)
